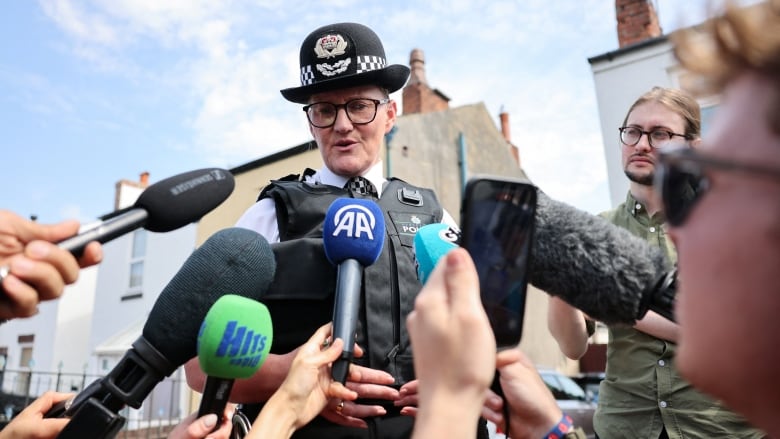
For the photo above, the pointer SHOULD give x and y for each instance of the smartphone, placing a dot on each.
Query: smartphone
(497, 222)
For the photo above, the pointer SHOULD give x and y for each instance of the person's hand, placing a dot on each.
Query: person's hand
(454, 349)
(31, 424)
(307, 389)
(532, 408)
(366, 383)
(193, 427)
(408, 398)
(32, 267)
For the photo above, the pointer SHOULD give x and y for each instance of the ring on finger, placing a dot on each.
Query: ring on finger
(5, 270)
(340, 406)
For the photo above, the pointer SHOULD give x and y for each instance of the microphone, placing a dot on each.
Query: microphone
(232, 261)
(353, 235)
(233, 343)
(598, 267)
(431, 242)
(164, 206)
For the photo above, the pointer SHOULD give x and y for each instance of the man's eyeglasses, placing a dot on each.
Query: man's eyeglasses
(657, 138)
(359, 111)
(681, 168)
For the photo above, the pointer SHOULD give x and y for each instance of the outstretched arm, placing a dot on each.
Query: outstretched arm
(305, 391)
(447, 317)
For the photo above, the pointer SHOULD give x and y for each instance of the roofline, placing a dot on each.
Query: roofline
(609, 56)
(442, 95)
(289, 152)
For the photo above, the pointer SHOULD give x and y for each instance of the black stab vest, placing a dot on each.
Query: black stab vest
(301, 296)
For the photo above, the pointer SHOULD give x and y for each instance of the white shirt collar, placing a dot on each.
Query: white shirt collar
(375, 175)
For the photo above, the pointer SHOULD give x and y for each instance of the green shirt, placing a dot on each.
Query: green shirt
(642, 391)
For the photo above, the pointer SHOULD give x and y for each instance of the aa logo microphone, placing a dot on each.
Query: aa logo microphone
(354, 229)
(353, 220)
(353, 236)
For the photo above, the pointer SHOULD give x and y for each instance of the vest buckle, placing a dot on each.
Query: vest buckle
(410, 197)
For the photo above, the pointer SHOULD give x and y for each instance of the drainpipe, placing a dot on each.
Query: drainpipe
(462, 162)
(388, 160)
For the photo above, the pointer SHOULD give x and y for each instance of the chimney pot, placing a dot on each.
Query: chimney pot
(504, 116)
(417, 67)
(637, 21)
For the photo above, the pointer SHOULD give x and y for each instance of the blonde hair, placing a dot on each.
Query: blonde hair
(741, 39)
(675, 100)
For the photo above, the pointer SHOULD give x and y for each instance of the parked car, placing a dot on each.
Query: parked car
(571, 398)
(590, 382)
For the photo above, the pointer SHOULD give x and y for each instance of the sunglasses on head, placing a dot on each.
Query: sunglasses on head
(680, 179)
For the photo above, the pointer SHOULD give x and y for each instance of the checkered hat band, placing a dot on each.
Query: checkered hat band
(307, 76)
(369, 63)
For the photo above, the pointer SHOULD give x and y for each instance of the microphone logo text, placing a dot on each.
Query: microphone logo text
(354, 220)
(449, 235)
(242, 345)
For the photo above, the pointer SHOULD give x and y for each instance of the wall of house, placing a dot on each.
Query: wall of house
(165, 254)
(248, 186)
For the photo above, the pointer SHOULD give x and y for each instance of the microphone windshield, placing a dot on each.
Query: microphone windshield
(232, 261)
(431, 242)
(182, 199)
(354, 229)
(235, 338)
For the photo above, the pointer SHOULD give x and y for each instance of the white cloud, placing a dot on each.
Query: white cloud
(79, 23)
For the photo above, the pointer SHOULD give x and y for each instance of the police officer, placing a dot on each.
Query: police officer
(345, 87)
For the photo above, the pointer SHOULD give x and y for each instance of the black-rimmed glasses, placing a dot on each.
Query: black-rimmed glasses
(359, 111)
(657, 138)
(684, 166)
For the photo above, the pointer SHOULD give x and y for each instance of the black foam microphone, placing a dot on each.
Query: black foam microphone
(598, 267)
(232, 261)
(164, 206)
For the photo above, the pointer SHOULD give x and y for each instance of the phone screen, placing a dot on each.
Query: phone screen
(497, 218)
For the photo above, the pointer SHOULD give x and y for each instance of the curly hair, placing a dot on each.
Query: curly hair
(740, 39)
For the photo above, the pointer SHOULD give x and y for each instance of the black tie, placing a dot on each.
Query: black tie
(360, 185)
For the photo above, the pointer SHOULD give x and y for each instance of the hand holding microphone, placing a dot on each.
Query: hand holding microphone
(164, 206)
(32, 268)
(598, 267)
(305, 391)
(353, 236)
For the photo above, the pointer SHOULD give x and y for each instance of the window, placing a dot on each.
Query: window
(706, 117)
(137, 255)
(26, 364)
(136, 274)
(139, 244)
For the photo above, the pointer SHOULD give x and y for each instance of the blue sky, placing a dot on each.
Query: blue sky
(95, 91)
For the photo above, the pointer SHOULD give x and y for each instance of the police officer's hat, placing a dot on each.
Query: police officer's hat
(344, 55)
